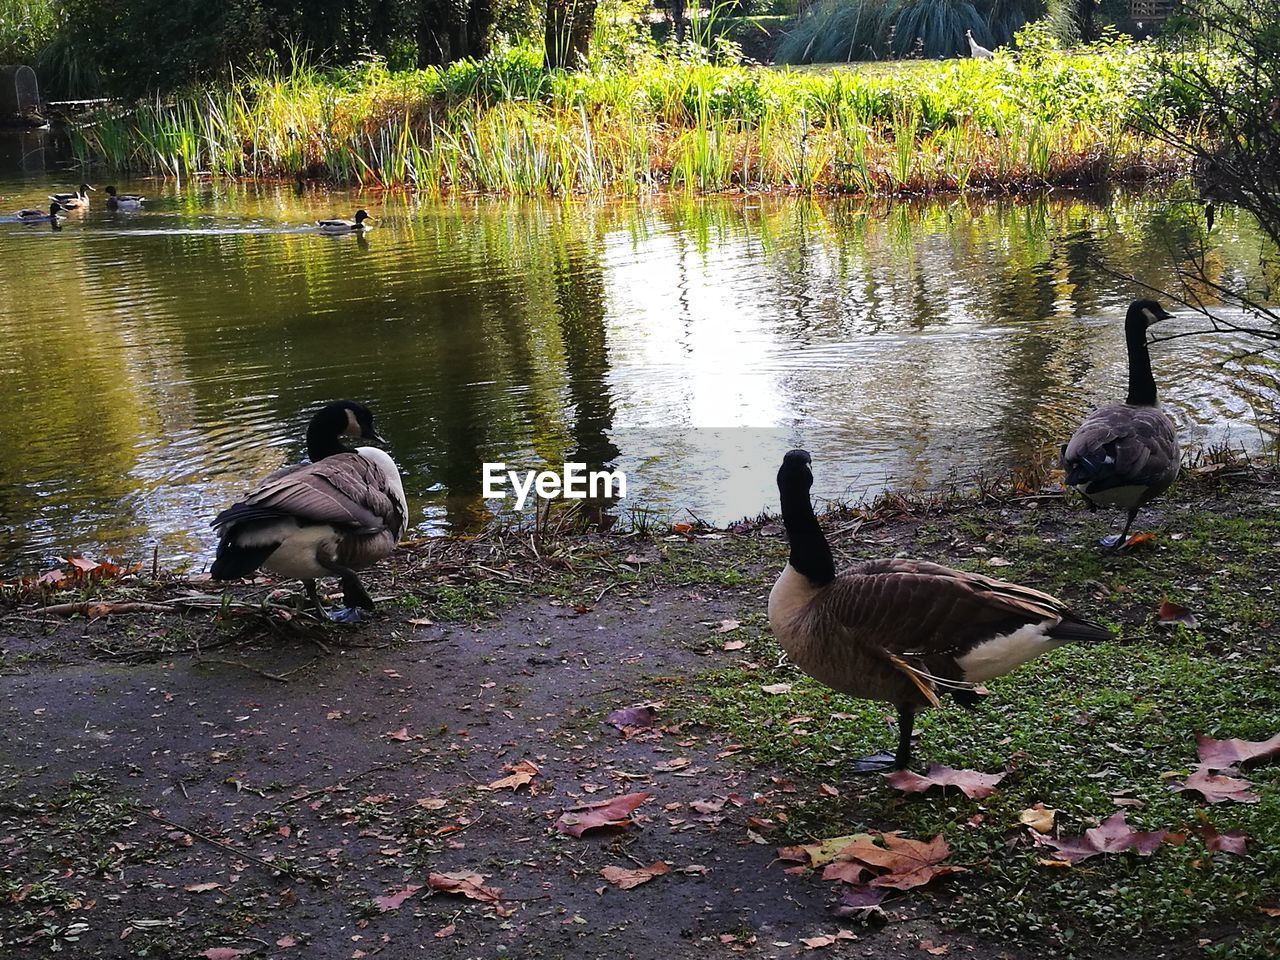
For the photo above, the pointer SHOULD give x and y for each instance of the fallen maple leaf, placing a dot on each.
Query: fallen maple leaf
(1138, 539)
(402, 734)
(641, 716)
(861, 902)
(846, 871)
(1171, 613)
(1233, 841)
(727, 625)
(445, 931)
(625, 879)
(820, 853)
(731, 645)
(286, 941)
(614, 813)
(827, 939)
(1113, 835)
(393, 901)
(464, 884)
(907, 863)
(1216, 788)
(430, 803)
(935, 949)
(201, 887)
(1038, 817)
(972, 784)
(522, 773)
(1221, 754)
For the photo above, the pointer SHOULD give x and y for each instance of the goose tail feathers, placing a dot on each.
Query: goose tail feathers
(1075, 629)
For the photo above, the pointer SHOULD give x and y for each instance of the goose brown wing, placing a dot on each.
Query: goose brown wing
(912, 607)
(1121, 445)
(345, 490)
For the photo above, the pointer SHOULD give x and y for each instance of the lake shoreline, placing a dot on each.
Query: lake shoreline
(249, 777)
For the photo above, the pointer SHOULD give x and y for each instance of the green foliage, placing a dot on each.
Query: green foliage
(26, 27)
(505, 124)
(848, 30)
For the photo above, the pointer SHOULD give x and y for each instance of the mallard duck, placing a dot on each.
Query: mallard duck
(977, 50)
(73, 201)
(902, 631)
(358, 223)
(123, 201)
(1126, 454)
(39, 216)
(342, 512)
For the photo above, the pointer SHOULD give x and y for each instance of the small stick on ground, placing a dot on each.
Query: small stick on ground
(227, 848)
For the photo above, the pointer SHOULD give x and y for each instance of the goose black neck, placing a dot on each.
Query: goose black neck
(810, 553)
(1142, 385)
(323, 441)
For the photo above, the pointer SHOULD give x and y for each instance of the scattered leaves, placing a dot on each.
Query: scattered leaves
(972, 784)
(1221, 754)
(827, 939)
(464, 884)
(1171, 613)
(1113, 835)
(393, 901)
(633, 717)
(625, 879)
(1038, 817)
(1216, 788)
(615, 813)
(521, 774)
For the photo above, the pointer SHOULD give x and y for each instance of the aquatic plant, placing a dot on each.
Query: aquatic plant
(506, 125)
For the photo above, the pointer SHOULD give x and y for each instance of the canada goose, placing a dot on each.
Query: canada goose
(977, 50)
(342, 512)
(346, 226)
(902, 631)
(1126, 454)
(39, 216)
(73, 201)
(123, 201)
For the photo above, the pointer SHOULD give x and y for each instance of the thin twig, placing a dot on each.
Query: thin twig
(227, 848)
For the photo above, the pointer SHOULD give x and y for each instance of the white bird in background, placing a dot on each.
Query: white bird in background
(977, 50)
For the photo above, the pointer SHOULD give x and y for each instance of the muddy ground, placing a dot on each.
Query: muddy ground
(177, 783)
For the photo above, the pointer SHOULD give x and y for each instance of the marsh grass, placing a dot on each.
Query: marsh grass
(504, 125)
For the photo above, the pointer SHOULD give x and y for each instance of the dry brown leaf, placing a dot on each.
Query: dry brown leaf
(446, 931)
(1038, 817)
(402, 734)
(821, 853)
(625, 879)
(464, 884)
(775, 689)
(1216, 788)
(614, 813)
(1171, 613)
(1221, 754)
(1113, 835)
(974, 785)
(393, 901)
(522, 774)
(201, 887)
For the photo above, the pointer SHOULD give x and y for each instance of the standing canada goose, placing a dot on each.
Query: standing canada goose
(977, 50)
(1126, 454)
(123, 201)
(73, 201)
(346, 226)
(342, 512)
(39, 216)
(902, 631)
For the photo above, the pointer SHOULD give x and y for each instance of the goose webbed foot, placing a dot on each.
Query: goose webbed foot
(347, 615)
(1117, 542)
(353, 592)
(881, 762)
(1110, 542)
(875, 763)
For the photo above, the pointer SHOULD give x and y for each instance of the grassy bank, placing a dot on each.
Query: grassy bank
(505, 125)
(506, 647)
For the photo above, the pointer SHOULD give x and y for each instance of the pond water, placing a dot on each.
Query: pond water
(156, 364)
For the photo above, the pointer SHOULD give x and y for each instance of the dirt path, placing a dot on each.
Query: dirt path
(180, 805)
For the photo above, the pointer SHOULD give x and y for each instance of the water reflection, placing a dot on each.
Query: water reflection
(157, 363)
